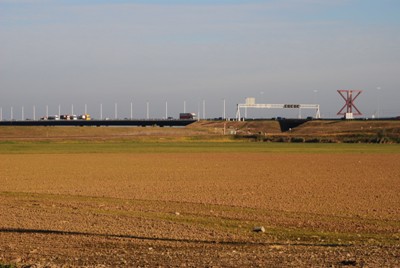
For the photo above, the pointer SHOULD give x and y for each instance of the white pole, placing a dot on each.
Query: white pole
(184, 106)
(131, 110)
(34, 113)
(72, 109)
(47, 110)
(204, 109)
(101, 111)
(318, 114)
(59, 110)
(166, 109)
(379, 102)
(198, 110)
(116, 111)
(238, 112)
(22, 113)
(85, 108)
(147, 114)
(224, 115)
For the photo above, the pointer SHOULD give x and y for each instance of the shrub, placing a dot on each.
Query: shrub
(7, 265)
(297, 139)
(283, 139)
(313, 140)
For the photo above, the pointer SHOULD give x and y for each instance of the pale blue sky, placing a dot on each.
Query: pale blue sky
(287, 51)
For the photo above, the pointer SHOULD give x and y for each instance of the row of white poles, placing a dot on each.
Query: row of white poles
(115, 110)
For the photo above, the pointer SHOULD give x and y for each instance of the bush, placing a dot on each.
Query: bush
(283, 139)
(7, 265)
(297, 139)
(313, 140)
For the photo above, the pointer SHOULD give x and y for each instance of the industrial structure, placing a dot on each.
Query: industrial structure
(251, 103)
(349, 97)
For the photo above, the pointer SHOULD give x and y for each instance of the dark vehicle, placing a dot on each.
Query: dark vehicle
(65, 117)
(53, 117)
(190, 116)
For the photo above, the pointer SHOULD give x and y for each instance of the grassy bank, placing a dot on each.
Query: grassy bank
(40, 147)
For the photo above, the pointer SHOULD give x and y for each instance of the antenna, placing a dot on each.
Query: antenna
(349, 96)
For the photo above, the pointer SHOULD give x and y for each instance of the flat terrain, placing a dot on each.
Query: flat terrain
(26, 133)
(365, 131)
(128, 203)
(328, 131)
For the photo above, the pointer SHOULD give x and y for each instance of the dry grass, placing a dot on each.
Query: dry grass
(337, 127)
(209, 130)
(100, 133)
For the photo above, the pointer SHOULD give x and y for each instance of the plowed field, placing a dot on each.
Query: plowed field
(199, 209)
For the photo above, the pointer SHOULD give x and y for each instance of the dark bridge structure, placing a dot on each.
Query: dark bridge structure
(99, 123)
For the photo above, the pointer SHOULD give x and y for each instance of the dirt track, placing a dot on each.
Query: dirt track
(199, 209)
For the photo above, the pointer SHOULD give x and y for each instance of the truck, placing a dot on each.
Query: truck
(53, 117)
(70, 117)
(187, 116)
(84, 117)
(65, 117)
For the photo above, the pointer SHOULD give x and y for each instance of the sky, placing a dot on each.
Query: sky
(176, 55)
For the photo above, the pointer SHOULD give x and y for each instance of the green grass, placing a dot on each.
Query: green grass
(188, 147)
(7, 265)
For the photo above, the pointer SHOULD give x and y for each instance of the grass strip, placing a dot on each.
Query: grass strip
(189, 147)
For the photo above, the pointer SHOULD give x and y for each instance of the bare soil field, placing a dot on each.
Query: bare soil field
(199, 209)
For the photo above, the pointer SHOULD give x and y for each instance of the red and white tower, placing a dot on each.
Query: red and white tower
(349, 97)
